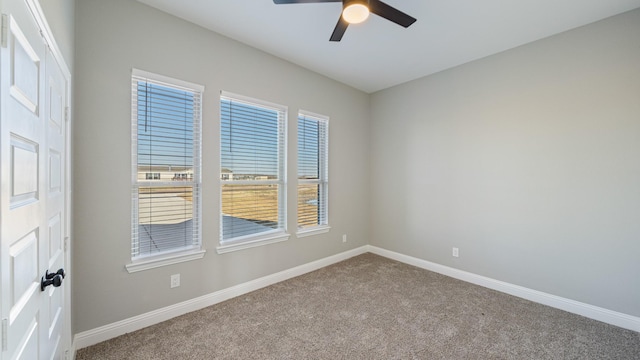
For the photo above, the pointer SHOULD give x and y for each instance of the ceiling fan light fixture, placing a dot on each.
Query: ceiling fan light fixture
(355, 11)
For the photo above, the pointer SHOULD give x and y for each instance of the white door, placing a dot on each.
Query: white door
(33, 98)
(55, 114)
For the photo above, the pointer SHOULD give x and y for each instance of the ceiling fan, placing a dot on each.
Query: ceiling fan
(357, 11)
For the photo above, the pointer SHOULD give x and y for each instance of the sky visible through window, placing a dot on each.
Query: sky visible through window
(308, 148)
(165, 126)
(249, 140)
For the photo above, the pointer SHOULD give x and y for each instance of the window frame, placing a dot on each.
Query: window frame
(323, 177)
(195, 251)
(267, 237)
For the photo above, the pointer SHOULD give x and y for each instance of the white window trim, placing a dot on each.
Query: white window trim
(251, 241)
(316, 230)
(268, 237)
(168, 80)
(321, 228)
(253, 101)
(171, 257)
(142, 264)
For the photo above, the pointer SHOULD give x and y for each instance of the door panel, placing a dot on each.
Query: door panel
(33, 224)
(55, 171)
(28, 346)
(56, 90)
(24, 170)
(23, 258)
(25, 69)
(55, 240)
(22, 230)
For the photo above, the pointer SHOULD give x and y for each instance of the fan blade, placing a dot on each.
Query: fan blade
(303, 1)
(392, 14)
(341, 27)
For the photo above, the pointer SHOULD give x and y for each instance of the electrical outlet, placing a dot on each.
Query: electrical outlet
(455, 252)
(344, 238)
(175, 280)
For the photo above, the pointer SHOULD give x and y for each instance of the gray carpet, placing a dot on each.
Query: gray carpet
(370, 307)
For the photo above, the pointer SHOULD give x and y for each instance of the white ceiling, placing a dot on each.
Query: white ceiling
(378, 54)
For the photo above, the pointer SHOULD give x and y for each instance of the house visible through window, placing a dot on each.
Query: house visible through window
(313, 165)
(166, 118)
(252, 173)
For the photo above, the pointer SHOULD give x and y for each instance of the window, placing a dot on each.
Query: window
(313, 180)
(252, 172)
(166, 117)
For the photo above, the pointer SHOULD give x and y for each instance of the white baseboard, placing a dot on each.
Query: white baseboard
(106, 332)
(103, 333)
(597, 313)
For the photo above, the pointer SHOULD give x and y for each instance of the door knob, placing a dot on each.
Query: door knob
(50, 276)
(54, 279)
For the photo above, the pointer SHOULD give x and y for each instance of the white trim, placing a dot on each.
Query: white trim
(247, 100)
(43, 24)
(103, 333)
(252, 182)
(193, 87)
(316, 116)
(106, 332)
(71, 355)
(593, 312)
(323, 167)
(195, 183)
(311, 182)
(316, 230)
(170, 259)
(259, 241)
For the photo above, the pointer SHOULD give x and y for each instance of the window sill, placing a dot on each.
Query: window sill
(164, 260)
(313, 231)
(255, 242)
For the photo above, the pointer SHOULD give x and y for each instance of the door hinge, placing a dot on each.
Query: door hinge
(66, 243)
(5, 29)
(4, 334)
(66, 114)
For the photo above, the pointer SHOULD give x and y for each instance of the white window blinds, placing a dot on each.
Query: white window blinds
(253, 164)
(166, 117)
(313, 168)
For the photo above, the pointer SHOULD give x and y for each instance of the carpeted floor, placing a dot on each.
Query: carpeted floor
(370, 307)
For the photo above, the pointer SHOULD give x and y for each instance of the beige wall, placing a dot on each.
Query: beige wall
(117, 35)
(527, 161)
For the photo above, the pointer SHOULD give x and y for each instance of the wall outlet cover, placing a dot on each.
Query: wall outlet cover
(175, 280)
